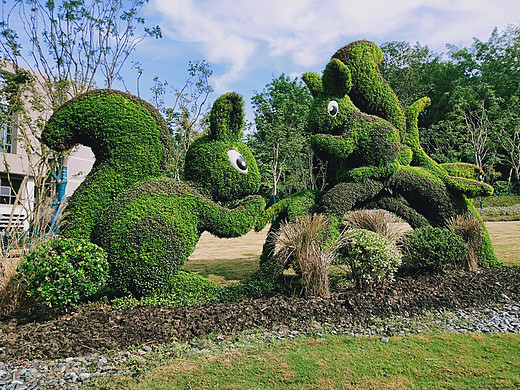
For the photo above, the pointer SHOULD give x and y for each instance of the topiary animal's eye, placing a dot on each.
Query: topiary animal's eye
(238, 161)
(333, 108)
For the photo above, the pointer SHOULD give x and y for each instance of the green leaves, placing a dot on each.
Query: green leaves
(64, 271)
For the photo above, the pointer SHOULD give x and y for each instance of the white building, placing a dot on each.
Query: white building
(18, 168)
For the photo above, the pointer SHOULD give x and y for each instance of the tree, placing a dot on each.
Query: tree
(471, 89)
(510, 139)
(72, 42)
(279, 142)
(186, 112)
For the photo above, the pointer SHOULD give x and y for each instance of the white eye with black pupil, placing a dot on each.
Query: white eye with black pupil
(333, 108)
(237, 160)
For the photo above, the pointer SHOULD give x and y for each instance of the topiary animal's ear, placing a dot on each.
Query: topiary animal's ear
(313, 82)
(337, 80)
(226, 118)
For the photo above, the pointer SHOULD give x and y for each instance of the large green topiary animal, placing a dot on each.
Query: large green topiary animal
(373, 151)
(152, 229)
(149, 227)
(374, 158)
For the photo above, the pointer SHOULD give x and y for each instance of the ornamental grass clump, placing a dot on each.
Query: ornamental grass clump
(371, 258)
(469, 229)
(379, 221)
(310, 243)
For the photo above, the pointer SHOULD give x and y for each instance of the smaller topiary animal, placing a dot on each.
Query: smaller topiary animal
(356, 145)
(150, 230)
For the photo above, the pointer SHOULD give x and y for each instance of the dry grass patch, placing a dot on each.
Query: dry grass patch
(505, 237)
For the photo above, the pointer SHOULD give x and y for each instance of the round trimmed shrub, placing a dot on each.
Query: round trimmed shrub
(433, 249)
(64, 271)
(372, 258)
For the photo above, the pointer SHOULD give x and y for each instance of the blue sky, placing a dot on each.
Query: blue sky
(248, 41)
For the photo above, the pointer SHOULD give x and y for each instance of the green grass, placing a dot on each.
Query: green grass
(442, 361)
(498, 201)
(224, 271)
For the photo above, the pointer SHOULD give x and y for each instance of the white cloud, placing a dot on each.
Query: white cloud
(241, 33)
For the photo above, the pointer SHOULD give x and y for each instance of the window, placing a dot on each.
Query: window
(8, 190)
(6, 129)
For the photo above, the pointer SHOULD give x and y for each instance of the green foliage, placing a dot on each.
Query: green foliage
(151, 230)
(498, 201)
(279, 142)
(226, 118)
(378, 161)
(370, 91)
(474, 111)
(433, 249)
(487, 257)
(64, 271)
(372, 259)
(184, 289)
(465, 170)
(130, 141)
(254, 287)
(427, 194)
(209, 164)
(356, 146)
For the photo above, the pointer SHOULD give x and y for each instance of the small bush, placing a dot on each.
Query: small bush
(63, 271)
(470, 230)
(501, 187)
(371, 257)
(379, 221)
(433, 249)
(251, 288)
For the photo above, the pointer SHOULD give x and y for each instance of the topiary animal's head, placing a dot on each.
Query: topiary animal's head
(219, 163)
(332, 109)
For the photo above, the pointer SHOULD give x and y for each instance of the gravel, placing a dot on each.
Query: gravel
(75, 372)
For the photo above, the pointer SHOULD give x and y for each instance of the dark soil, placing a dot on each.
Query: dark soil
(97, 328)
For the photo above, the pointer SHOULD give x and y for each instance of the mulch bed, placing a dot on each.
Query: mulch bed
(90, 328)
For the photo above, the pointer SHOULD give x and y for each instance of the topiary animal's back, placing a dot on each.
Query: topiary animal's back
(129, 139)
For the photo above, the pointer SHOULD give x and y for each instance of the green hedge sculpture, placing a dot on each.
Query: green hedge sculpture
(147, 222)
(373, 151)
(373, 154)
(130, 141)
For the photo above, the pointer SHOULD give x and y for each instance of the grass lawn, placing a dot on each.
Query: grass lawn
(444, 361)
(506, 240)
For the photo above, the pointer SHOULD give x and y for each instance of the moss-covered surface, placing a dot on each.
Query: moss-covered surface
(153, 228)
